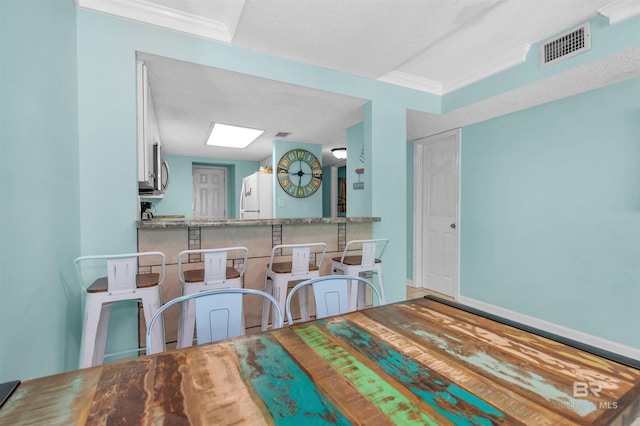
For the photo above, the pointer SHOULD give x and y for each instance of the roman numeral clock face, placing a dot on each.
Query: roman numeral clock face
(299, 173)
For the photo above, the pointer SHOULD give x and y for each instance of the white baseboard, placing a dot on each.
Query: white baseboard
(550, 327)
(410, 283)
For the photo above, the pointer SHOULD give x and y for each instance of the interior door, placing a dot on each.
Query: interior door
(436, 207)
(209, 192)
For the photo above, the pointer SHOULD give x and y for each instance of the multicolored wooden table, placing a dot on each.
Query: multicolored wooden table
(417, 362)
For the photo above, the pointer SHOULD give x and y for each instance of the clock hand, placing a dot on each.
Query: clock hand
(299, 173)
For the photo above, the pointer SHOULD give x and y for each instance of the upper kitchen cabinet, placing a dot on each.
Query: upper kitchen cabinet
(149, 143)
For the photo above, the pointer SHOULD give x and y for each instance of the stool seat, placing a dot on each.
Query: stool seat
(285, 267)
(352, 260)
(101, 285)
(197, 275)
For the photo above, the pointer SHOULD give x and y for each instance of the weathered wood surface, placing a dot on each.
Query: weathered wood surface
(417, 362)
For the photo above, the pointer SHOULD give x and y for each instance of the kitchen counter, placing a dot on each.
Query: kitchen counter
(172, 222)
(173, 234)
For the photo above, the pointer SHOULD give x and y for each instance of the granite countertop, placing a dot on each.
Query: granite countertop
(177, 222)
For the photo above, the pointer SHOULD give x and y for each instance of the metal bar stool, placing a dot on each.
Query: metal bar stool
(215, 274)
(121, 283)
(219, 313)
(299, 268)
(358, 257)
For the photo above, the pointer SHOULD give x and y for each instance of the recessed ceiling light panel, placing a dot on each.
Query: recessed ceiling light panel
(229, 136)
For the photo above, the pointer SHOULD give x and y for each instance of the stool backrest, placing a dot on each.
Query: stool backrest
(215, 262)
(219, 317)
(371, 250)
(331, 294)
(300, 259)
(215, 266)
(122, 270)
(121, 274)
(300, 255)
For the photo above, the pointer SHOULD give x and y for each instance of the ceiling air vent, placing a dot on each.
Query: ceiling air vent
(282, 134)
(571, 43)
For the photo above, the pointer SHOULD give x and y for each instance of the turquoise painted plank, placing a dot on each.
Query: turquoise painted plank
(450, 400)
(501, 369)
(288, 393)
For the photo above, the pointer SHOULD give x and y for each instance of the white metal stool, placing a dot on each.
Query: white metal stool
(214, 275)
(299, 268)
(121, 283)
(358, 257)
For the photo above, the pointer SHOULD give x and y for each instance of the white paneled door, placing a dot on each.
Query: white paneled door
(209, 192)
(436, 206)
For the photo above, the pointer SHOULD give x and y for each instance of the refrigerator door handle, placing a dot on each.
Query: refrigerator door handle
(193, 199)
(241, 198)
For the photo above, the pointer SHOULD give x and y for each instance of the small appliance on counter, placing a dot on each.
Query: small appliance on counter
(145, 208)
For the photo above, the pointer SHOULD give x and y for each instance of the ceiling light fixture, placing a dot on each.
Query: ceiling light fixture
(340, 153)
(232, 136)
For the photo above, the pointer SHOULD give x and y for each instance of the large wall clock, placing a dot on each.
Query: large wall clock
(299, 173)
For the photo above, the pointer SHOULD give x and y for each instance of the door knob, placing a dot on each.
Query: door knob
(453, 226)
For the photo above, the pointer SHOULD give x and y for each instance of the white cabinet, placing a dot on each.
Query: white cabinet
(148, 134)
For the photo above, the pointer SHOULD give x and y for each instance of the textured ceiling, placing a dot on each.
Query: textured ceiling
(432, 45)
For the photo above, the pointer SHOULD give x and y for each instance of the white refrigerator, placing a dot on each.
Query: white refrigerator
(256, 196)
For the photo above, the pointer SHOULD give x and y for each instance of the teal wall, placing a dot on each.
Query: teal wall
(385, 140)
(326, 191)
(40, 316)
(179, 194)
(550, 214)
(358, 201)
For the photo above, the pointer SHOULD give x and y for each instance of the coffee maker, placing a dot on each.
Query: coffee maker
(145, 208)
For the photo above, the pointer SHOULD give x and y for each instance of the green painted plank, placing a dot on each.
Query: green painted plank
(450, 400)
(383, 395)
(287, 392)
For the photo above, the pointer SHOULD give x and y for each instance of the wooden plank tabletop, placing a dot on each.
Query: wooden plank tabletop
(417, 362)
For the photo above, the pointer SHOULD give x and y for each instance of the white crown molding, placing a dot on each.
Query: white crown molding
(154, 14)
(620, 10)
(549, 327)
(412, 82)
(418, 83)
(516, 57)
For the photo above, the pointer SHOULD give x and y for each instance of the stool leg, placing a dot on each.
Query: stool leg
(353, 289)
(280, 294)
(362, 294)
(150, 304)
(381, 285)
(186, 324)
(92, 312)
(303, 298)
(101, 337)
(266, 304)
